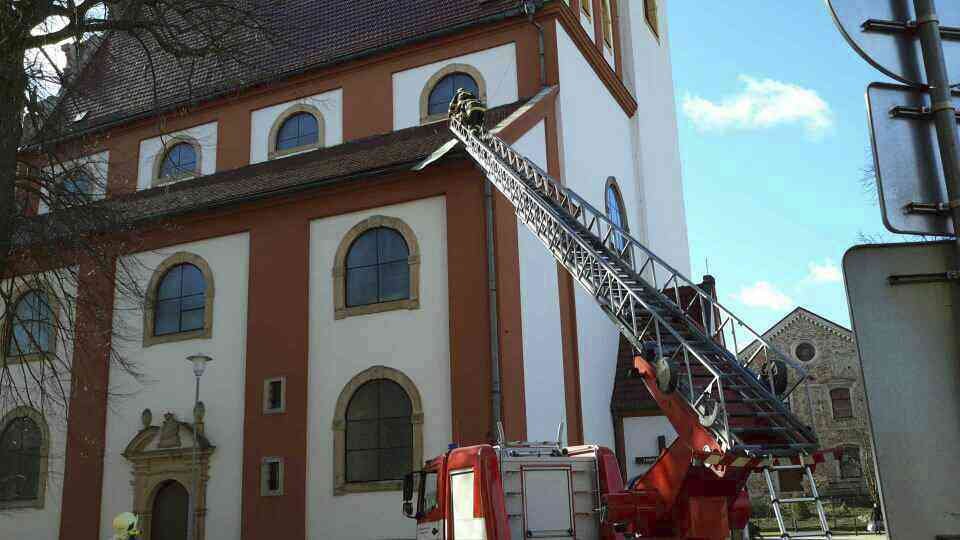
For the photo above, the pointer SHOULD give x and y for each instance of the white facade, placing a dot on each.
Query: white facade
(167, 385)
(540, 312)
(415, 342)
(153, 150)
(330, 106)
(497, 66)
(640, 440)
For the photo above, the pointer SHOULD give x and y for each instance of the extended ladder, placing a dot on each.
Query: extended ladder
(777, 503)
(691, 335)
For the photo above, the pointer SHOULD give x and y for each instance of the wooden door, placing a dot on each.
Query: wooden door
(170, 509)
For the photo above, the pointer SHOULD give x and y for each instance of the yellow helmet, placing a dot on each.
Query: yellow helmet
(125, 526)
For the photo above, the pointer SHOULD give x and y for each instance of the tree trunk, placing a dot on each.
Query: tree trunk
(12, 103)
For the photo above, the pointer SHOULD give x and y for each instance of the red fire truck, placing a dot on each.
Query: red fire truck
(729, 406)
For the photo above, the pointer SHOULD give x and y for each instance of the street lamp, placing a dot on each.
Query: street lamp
(199, 362)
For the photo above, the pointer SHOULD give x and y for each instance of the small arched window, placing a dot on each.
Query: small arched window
(613, 202)
(180, 301)
(379, 433)
(31, 325)
(22, 460)
(300, 130)
(840, 401)
(179, 161)
(442, 93)
(378, 270)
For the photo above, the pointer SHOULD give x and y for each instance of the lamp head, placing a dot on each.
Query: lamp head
(199, 362)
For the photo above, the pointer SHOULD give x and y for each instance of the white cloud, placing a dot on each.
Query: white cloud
(765, 295)
(827, 272)
(763, 103)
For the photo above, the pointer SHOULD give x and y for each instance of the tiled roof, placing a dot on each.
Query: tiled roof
(358, 159)
(124, 81)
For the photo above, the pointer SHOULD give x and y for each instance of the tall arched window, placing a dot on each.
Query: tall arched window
(179, 304)
(613, 203)
(442, 93)
(299, 130)
(378, 431)
(840, 401)
(31, 325)
(180, 160)
(180, 301)
(377, 268)
(23, 444)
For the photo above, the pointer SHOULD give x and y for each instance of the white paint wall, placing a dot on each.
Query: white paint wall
(95, 166)
(649, 76)
(540, 313)
(640, 439)
(497, 65)
(152, 149)
(415, 342)
(42, 522)
(330, 104)
(168, 385)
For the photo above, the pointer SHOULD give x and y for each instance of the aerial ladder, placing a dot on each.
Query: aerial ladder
(724, 389)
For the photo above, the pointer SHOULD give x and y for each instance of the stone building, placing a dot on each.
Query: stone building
(828, 351)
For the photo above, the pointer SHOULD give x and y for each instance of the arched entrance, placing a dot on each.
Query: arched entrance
(170, 507)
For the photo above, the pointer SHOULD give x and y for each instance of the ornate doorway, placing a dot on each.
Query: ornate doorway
(170, 507)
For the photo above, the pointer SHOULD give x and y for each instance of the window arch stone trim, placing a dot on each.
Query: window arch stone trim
(168, 145)
(20, 290)
(341, 486)
(37, 418)
(149, 305)
(294, 109)
(449, 69)
(341, 310)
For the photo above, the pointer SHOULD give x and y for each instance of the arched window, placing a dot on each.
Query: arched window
(850, 463)
(443, 92)
(616, 211)
(180, 160)
(299, 130)
(840, 400)
(31, 325)
(23, 445)
(179, 300)
(378, 431)
(377, 268)
(607, 21)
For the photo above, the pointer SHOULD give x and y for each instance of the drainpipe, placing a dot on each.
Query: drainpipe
(496, 394)
(530, 7)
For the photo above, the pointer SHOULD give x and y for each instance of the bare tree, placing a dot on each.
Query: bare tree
(59, 236)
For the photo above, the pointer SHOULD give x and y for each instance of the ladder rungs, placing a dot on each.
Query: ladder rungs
(787, 467)
(798, 500)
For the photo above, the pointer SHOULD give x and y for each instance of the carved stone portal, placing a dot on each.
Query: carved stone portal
(163, 453)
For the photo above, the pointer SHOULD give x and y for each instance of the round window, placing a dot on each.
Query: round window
(805, 352)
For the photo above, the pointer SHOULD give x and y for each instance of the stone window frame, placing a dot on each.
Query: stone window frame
(161, 156)
(52, 301)
(265, 490)
(37, 417)
(341, 486)
(812, 343)
(289, 112)
(149, 306)
(283, 395)
(606, 23)
(341, 310)
(449, 69)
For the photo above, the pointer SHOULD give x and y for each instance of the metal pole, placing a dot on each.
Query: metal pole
(192, 515)
(944, 116)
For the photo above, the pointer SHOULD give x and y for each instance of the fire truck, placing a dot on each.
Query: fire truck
(729, 406)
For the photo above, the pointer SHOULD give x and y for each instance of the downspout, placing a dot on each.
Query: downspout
(496, 392)
(530, 7)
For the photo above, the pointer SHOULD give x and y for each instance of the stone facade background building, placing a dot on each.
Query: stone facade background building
(840, 416)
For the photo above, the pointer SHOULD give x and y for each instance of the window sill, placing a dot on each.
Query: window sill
(356, 311)
(276, 154)
(35, 504)
(203, 333)
(26, 359)
(368, 487)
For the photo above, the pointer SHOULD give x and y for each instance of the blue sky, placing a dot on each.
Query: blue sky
(773, 140)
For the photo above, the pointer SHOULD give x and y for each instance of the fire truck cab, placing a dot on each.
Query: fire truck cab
(513, 491)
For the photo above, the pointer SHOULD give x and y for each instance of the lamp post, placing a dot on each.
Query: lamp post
(199, 362)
